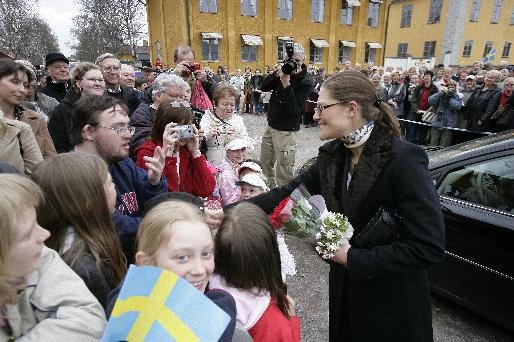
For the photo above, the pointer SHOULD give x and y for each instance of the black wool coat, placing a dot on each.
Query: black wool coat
(59, 124)
(382, 294)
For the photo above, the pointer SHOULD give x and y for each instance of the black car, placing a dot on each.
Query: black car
(475, 181)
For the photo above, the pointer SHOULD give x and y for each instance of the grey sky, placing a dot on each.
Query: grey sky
(59, 14)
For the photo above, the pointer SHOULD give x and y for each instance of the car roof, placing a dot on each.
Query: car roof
(491, 143)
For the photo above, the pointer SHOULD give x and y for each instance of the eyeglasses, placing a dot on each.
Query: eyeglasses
(111, 68)
(509, 84)
(320, 108)
(60, 67)
(119, 130)
(173, 96)
(94, 80)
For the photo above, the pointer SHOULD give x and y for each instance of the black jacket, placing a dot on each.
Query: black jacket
(383, 293)
(55, 90)
(481, 105)
(128, 96)
(286, 104)
(59, 124)
(142, 120)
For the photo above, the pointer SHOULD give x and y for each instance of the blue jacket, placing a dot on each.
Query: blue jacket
(447, 106)
(132, 192)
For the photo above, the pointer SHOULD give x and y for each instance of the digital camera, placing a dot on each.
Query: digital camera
(289, 65)
(185, 131)
(191, 68)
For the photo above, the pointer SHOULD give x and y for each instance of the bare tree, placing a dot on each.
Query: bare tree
(23, 32)
(108, 26)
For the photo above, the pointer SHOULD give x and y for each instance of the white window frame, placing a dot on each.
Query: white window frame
(427, 54)
(281, 49)
(406, 15)
(315, 54)
(251, 52)
(468, 46)
(249, 8)
(373, 13)
(317, 10)
(212, 43)
(506, 49)
(475, 10)
(344, 53)
(495, 15)
(488, 47)
(370, 54)
(346, 14)
(434, 14)
(208, 6)
(285, 9)
(401, 53)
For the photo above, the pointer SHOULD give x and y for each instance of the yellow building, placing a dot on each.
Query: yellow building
(455, 32)
(240, 33)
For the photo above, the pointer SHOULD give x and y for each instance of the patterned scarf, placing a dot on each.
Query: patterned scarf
(360, 136)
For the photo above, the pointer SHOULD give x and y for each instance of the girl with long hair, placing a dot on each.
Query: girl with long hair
(247, 262)
(80, 198)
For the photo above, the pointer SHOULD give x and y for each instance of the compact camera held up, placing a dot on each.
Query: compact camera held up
(184, 131)
(289, 65)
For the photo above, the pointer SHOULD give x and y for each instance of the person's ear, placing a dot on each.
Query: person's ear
(142, 259)
(353, 107)
(88, 132)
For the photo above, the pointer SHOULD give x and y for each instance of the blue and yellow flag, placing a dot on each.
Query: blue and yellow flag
(157, 305)
(490, 56)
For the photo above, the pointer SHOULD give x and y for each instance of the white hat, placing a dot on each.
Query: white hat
(236, 144)
(250, 165)
(253, 179)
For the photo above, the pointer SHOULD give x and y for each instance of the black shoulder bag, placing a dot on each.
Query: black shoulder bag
(385, 227)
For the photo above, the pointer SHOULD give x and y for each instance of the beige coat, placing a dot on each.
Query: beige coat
(40, 129)
(56, 306)
(18, 146)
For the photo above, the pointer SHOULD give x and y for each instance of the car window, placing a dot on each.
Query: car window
(489, 183)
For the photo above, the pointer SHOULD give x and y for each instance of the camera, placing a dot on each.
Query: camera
(289, 65)
(191, 68)
(184, 131)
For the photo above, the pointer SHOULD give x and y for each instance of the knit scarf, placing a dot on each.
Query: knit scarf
(358, 137)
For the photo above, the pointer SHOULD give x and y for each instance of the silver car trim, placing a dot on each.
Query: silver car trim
(480, 266)
(478, 206)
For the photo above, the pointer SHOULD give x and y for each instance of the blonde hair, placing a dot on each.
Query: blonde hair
(494, 74)
(153, 233)
(17, 192)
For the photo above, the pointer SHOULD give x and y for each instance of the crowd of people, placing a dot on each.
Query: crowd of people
(102, 169)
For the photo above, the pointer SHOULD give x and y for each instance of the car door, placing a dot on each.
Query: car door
(477, 200)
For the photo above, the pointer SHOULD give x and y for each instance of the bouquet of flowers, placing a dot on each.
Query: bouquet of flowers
(304, 215)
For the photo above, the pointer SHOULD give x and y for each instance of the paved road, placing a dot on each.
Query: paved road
(309, 287)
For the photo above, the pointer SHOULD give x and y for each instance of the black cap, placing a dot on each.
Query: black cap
(55, 56)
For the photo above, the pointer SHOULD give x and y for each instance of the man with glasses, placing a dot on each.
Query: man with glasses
(111, 67)
(58, 70)
(288, 98)
(100, 126)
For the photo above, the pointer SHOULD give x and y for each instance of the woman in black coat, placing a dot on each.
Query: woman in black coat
(378, 293)
(86, 79)
(483, 102)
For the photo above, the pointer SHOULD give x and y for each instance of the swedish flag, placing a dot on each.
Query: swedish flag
(157, 305)
(490, 56)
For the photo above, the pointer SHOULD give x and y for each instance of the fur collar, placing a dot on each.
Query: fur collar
(332, 159)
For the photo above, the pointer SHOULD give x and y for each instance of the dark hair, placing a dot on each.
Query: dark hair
(140, 81)
(246, 253)
(353, 85)
(429, 72)
(9, 67)
(167, 113)
(86, 111)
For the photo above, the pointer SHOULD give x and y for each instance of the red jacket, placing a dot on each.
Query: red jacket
(273, 326)
(195, 177)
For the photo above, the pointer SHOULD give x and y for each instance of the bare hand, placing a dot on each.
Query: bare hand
(231, 133)
(170, 138)
(291, 310)
(341, 256)
(193, 144)
(155, 165)
(214, 217)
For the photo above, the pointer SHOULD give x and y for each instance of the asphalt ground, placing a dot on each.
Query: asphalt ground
(309, 288)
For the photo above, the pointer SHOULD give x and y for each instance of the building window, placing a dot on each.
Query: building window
(406, 15)
(402, 50)
(495, 16)
(468, 44)
(488, 47)
(475, 10)
(281, 48)
(434, 15)
(369, 54)
(210, 49)
(317, 9)
(506, 49)
(429, 49)
(249, 53)
(346, 14)
(344, 53)
(316, 54)
(512, 17)
(373, 11)
(249, 8)
(209, 6)
(285, 9)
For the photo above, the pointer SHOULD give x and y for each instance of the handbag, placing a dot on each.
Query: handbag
(506, 119)
(384, 228)
(428, 117)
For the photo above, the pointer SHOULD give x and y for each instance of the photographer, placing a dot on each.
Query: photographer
(185, 167)
(290, 86)
(447, 104)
